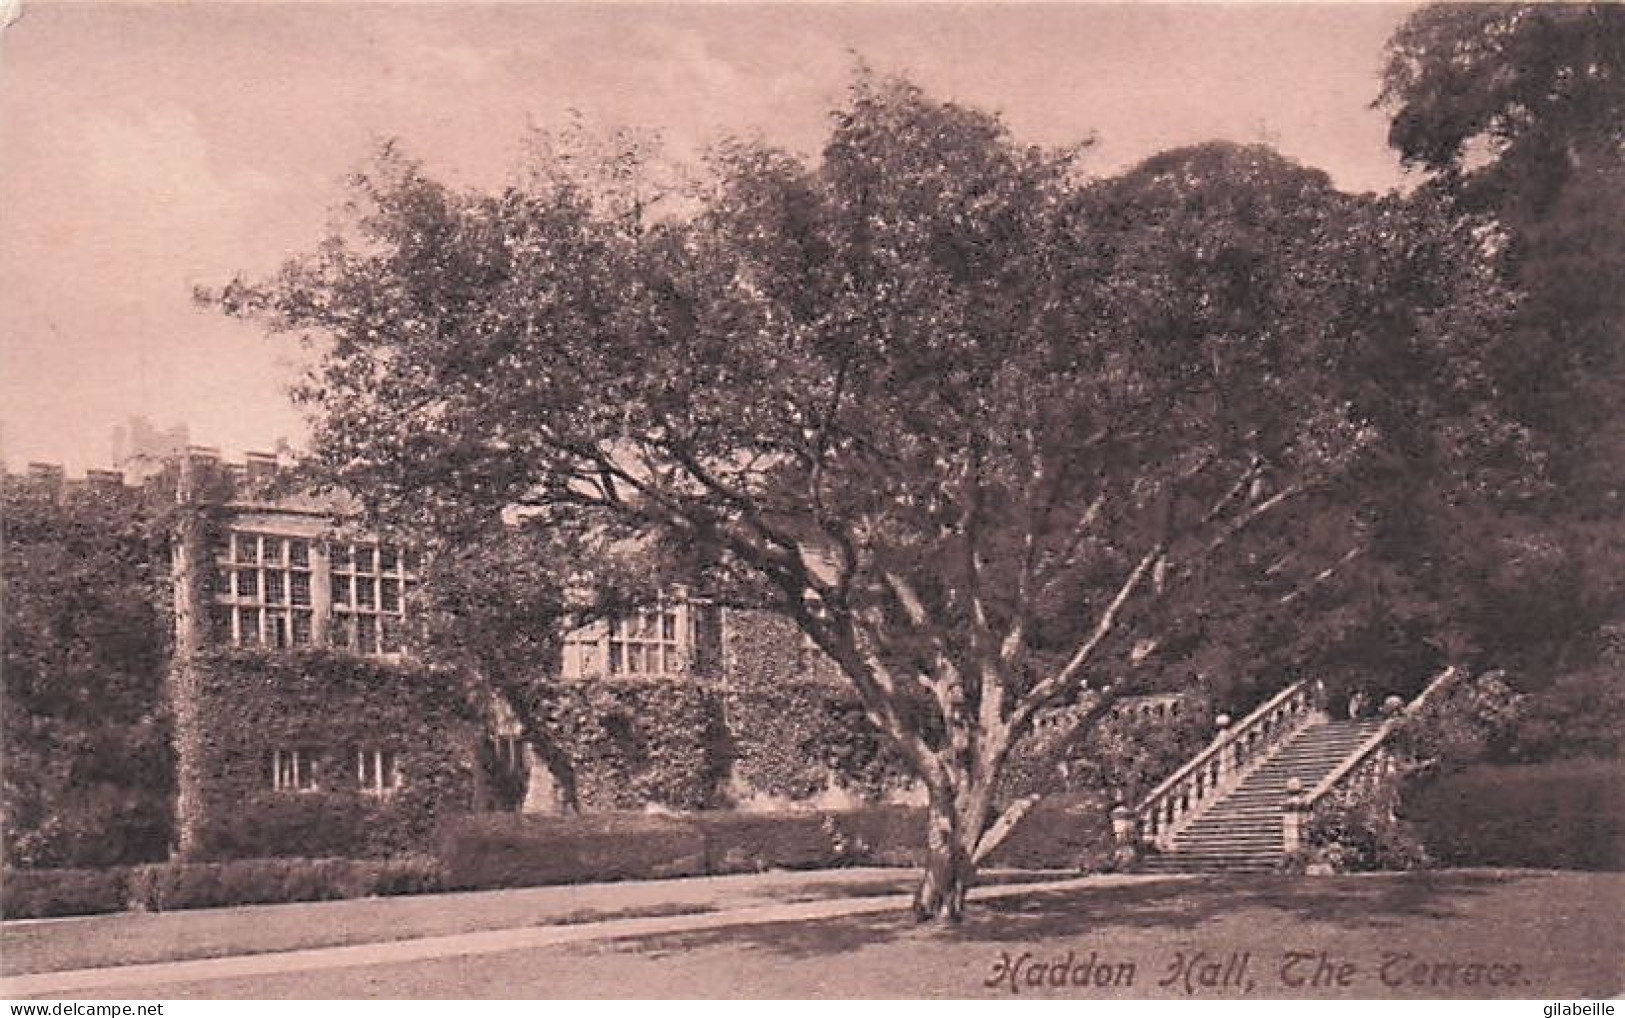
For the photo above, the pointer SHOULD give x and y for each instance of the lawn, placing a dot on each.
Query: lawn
(1471, 934)
(1468, 934)
(136, 938)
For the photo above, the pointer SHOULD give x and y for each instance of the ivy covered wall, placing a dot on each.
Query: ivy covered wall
(328, 706)
(795, 724)
(761, 720)
(636, 742)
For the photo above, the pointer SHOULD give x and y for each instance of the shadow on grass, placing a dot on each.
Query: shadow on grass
(1367, 903)
(905, 880)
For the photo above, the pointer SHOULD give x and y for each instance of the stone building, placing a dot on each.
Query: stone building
(302, 724)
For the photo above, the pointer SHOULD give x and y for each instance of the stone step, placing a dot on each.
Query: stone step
(1218, 849)
(1184, 864)
(1188, 846)
(1227, 830)
(1241, 833)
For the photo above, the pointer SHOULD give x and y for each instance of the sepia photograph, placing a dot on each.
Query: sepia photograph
(880, 500)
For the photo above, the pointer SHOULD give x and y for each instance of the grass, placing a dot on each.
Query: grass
(1547, 934)
(137, 938)
(1558, 935)
(1380, 935)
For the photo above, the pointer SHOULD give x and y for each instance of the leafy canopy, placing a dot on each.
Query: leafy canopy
(1517, 111)
(955, 409)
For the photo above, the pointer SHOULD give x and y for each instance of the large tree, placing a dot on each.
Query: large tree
(1517, 112)
(961, 414)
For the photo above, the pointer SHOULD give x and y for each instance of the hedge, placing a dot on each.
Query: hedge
(30, 894)
(168, 887)
(33, 894)
(1566, 814)
(508, 850)
(513, 850)
(488, 851)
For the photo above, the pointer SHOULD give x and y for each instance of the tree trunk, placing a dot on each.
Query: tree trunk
(950, 866)
(181, 685)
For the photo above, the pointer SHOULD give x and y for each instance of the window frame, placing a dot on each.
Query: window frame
(296, 770)
(378, 771)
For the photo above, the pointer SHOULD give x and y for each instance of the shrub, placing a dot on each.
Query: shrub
(1582, 714)
(510, 850)
(1472, 720)
(1362, 835)
(1567, 814)
(33, 894)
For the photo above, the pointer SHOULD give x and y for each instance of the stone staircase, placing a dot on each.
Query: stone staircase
(1240, 831)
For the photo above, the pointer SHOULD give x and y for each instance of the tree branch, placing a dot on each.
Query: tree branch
(1322, 576)
(1061, 682)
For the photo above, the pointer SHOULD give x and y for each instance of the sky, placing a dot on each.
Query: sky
(146, 150)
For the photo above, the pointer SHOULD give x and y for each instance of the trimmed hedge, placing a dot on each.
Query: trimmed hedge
(30, 894)
(512, 850)
(170, 887)
(34, 894)
(826, 839)
(753, 842)
(488, 851)
(1566, 814)
(506, 850)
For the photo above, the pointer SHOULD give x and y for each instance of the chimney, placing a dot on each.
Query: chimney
(260, 466)
(104, 480)
(46, 477)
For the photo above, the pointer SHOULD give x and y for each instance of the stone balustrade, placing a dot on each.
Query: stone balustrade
(1358, 775)
(1212, 773)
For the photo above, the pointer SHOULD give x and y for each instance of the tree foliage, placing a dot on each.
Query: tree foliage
(1513, 100)
(86, 776)
(1517, 111)
(962, 415)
